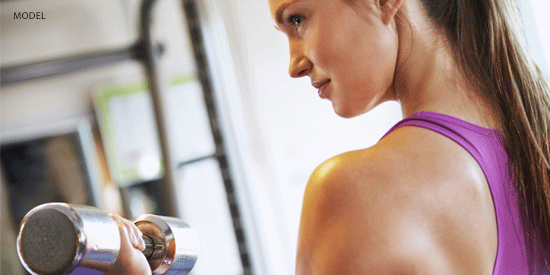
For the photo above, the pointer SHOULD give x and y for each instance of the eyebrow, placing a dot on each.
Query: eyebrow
(281, 9)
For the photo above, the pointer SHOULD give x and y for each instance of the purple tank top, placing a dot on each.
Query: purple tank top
(485, 145)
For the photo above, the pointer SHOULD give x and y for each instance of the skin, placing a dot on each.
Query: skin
(130, 259)
(400, 206)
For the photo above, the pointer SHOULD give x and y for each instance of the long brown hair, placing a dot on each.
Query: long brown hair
(487, 39)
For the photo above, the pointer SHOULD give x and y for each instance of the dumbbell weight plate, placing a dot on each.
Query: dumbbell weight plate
(47, 242)
(60, 238)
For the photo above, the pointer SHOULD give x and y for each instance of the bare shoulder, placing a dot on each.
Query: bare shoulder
(412, 204)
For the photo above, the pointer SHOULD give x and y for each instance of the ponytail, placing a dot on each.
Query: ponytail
(489, 47)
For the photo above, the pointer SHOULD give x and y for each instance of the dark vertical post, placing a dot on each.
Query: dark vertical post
(195, 33)
(151, 62)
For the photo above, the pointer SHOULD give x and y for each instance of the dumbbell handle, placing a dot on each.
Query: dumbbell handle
(149, 246)
(154, 247)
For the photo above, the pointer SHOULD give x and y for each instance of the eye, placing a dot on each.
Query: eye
(295, 20)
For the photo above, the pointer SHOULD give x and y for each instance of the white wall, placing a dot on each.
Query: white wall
(62, 33)
(74, 28)
(536, 22)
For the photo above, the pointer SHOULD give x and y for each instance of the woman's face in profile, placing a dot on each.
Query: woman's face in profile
(345, 48)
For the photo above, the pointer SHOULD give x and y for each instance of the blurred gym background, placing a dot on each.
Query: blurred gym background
(188, 112)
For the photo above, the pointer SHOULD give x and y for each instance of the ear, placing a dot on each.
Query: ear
(389, 9)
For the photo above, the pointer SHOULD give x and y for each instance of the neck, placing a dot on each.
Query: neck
(429, 79)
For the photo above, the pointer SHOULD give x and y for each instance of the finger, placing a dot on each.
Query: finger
(124, 234)
(132, 234)
(129, 261)
(139, 234)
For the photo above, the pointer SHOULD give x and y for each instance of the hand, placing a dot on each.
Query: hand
(130, 259)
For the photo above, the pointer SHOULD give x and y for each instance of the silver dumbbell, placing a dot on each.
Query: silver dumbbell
(60, 238)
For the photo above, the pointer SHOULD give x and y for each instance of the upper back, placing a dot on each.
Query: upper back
(485, 147)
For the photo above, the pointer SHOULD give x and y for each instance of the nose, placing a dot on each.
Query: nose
(300, 64)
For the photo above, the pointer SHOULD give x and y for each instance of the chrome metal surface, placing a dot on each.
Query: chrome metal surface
(149, 246)
(181, 244)
(98, 237)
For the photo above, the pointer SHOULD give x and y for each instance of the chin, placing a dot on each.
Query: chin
(345, 112)
(349, 111)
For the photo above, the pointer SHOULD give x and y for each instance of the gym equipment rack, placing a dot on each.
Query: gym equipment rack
(148, 53)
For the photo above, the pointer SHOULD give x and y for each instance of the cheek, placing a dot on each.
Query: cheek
(359, 56)
(371, 62)
(322, 50)
(356, 55)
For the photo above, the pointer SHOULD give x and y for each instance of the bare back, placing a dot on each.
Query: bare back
(415, 203)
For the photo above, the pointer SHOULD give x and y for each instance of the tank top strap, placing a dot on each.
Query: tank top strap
(466, 134)
(487, 147)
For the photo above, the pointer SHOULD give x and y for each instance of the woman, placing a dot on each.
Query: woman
(465, 191)
(435, 198)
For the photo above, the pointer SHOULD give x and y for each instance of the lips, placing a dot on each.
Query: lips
(321, 86)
